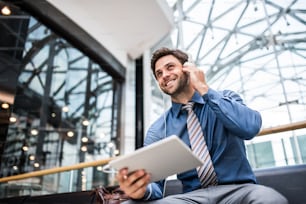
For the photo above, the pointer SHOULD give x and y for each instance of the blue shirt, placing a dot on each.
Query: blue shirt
(226, 122)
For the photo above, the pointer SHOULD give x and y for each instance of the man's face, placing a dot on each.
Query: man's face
(171, 79)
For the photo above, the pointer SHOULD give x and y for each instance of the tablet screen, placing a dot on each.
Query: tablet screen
(161, 159)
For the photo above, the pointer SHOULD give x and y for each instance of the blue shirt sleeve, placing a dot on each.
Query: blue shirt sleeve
(154, 191)
(234, 114)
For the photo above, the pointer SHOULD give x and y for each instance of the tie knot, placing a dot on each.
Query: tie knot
(188, 106)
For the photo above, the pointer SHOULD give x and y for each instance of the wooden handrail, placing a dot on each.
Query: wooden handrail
(55, 170)
(283, 128)
(266, 131)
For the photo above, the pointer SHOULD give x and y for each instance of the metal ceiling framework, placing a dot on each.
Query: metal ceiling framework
(257, 48)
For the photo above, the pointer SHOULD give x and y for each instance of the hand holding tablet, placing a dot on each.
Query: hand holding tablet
(161, 159)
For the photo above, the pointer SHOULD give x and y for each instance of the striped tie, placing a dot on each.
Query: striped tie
(206, 172)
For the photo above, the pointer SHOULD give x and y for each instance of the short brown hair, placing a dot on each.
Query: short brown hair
(180, 55)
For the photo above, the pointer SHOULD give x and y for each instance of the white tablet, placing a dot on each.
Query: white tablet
(161, 159)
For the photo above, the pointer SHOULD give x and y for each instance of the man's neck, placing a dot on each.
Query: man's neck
(183, 97)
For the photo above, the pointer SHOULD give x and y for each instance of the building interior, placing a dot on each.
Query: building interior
(76, 85)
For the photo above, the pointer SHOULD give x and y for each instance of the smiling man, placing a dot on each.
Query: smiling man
(214, 124)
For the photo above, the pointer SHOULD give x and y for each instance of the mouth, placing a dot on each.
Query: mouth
(169, 83)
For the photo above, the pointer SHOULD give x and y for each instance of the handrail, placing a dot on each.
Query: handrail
(55, 170)
(283, 128)
(266, 131)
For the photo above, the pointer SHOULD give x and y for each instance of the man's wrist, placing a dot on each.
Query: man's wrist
(148, 193)
(202, 89)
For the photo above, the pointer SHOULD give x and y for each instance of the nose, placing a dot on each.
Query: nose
(165, 74)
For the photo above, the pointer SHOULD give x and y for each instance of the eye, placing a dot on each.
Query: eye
(170, 67)
(158, 74)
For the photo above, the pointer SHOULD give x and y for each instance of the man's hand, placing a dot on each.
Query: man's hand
(196, 77)
(134, 184)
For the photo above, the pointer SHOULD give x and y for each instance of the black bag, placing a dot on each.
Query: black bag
(108, 195)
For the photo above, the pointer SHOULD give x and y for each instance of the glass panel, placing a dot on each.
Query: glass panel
(301, 140)
(261, 155)
(62, 111)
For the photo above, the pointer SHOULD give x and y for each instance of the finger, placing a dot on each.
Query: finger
(138, 188)
(131, 182)
(188, 64)
(139, 193)
(126, 180)
(186, 69)
(134, 176)
(142, 182)
(122, 174)
(189, 67)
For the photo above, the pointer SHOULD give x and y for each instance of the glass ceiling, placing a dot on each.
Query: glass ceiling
(257, 48)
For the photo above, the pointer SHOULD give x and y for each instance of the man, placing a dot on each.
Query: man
(225, 123)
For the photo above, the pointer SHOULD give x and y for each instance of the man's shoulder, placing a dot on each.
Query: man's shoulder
(231, 94)
(161, 119)
(225, 92)
(158, 126)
